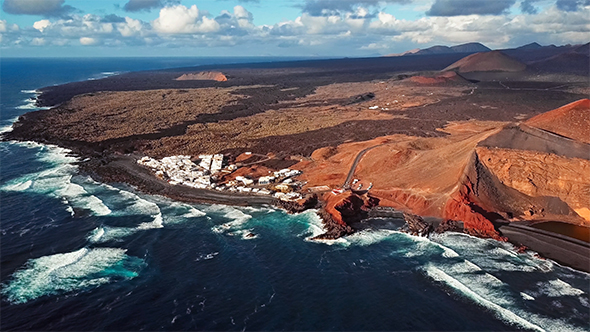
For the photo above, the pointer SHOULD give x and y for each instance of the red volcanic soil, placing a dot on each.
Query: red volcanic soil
(446, 77)
(481, 172)
(341, 210)
(487, 61)
(571, 120)
(203, 76)
(252, 172)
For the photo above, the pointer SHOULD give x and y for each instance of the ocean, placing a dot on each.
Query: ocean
(77, 254)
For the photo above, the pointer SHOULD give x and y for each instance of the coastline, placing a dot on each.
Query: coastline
(62, 219)
(114, 160)
(124, 169)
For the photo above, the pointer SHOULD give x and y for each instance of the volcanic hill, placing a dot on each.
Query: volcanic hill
(483, 171)
(571, 120)
(487, 61)
(203, 76)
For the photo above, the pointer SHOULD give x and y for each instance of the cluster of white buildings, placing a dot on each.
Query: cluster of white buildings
(181, 170)
(213, 163)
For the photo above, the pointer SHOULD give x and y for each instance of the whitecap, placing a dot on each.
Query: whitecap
(81, 198)
(238, 218)
(106, 233)
(126, 203)
(73, 271)
(36, 92)
(156, 223)
(18, 186)
(500, 312)
(8, 126)
(369, 237)
(56, 181)
(558, 288)
(206, 256)
(526, 296)
(244, 234)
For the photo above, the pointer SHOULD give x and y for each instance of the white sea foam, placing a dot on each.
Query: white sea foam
(489, 254)
(558, 288)
(18, 186)
(156, 223)
(78, 270)
(206, 256)
(36, 92)
(76, 193)
(244, 234)
(478, 278)
(106, 233)
(500, 312)
(176, 212)
(238, 218)
(56, 181)
(8, 126)
(369, 237)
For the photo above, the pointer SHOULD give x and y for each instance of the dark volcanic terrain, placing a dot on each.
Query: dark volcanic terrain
(317, 116)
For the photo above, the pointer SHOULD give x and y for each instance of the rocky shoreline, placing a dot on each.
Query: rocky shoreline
(317, 120)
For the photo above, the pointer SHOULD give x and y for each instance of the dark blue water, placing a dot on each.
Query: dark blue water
(81, 255)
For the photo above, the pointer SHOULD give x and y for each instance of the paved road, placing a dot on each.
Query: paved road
(358, 158)
(561, 248)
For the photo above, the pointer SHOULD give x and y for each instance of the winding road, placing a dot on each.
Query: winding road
(358, 158)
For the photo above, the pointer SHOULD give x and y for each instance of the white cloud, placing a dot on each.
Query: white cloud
(38, 41)
(88, 41)
(180, 19)
(340, 32)
(130, 28)
(41, 25)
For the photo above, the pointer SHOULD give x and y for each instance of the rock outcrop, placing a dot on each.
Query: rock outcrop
(341, 210)
(483, 174)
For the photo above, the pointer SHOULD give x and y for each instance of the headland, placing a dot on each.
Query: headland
(471, 143)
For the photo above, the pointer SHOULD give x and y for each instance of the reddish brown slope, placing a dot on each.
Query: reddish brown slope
(481, 172)
(571, 120)
(487, 61)
(203, 76)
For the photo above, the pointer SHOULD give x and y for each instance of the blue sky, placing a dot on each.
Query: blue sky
(281, 27)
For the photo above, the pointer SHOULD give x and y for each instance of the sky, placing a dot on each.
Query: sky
(119, 28)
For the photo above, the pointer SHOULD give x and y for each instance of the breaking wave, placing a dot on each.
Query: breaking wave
(106, 233)
(7, 127)
(56, 181)
(74, 271)
(238, 219)
(502, 313)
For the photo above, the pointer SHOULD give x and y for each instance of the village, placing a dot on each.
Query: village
(213, 173)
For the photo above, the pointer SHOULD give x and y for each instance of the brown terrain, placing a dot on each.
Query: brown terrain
(436, 145)
(203, 76)
(480, 172)
(571, 120)
(487, 61)
(439, 78)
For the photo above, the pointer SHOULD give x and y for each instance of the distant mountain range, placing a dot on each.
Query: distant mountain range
(573, 59)
(441, 49)
(479, 47)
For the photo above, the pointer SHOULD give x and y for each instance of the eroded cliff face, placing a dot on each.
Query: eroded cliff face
(341, 210)
(560, 185)
(481, 172)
